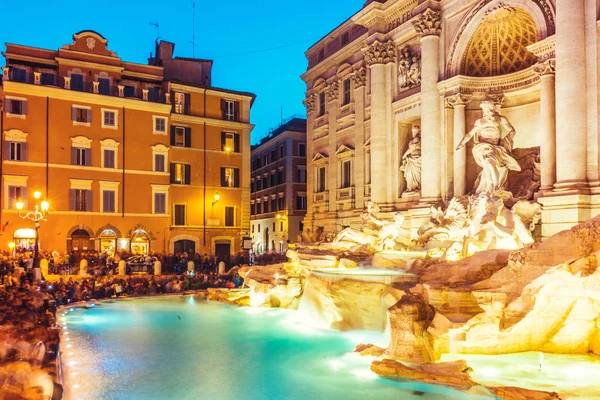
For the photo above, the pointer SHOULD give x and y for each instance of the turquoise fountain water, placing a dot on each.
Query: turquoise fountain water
(182, 348)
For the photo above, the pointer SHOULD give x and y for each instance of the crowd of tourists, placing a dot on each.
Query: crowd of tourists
(28, 334)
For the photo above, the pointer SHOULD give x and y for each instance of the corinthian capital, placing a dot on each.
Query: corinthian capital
(333, 91)
(359, 78)
(458, 100)
(429, 23)
(380, 53)
(310, 103)
(547, 67)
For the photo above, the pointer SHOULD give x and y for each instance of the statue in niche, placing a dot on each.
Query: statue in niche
(411, 162)
(409, 69)
(493, 136)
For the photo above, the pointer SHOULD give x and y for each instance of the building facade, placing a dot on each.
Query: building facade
(278, 186)
(398, 69)
(131, 157)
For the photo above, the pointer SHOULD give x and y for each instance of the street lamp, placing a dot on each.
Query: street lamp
(39, 214)
(217, 198)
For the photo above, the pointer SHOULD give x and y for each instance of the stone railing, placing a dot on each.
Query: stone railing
(321, 121)
(345, 110)
(321, 197)
(345, 194)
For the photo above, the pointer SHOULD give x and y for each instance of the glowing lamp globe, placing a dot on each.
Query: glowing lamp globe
(20, 205)
(45, 205)
(37, 195)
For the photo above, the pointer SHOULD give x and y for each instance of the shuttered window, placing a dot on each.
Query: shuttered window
(179, 217)
(80, 200)
(109, 159)
(160, 203)
(180, 173)
(230, 142)
(15, 151)
(82, 115)
(103, 86)
(159, 162)
(80, 156)
(108, 201)
(230, 110)
(300, 202)
(16, 107)
(230, 177)
(229, 216)
(16, 193)
(181, 136)
(77, 82)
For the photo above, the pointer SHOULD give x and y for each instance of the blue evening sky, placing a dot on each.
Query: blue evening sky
(257, 45)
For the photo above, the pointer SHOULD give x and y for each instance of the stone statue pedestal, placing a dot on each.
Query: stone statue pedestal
(83, 267)
(157, 268)
(411, 195)
(190, 267)
(122, 267)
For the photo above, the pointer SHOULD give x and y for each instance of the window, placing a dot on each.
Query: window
(103, 86)
(281, 203)
(81, 156)
(109, 119)
(77, 82)
(272, 178)
(229, 216)
(258, 228)
(257, 184)
(252, 212)
(266, 206)
(109, 159)
(18, 75)
(231, 110)
(230, 142)
(81, 200)
(281, 151)
(160, 125)
(301, 226)
(48, 78)
(181, 103)
(108, 201)
(129, 91)
(300, 202)
(301, 149)
(230, 177)
(16, 193)
(159, 162)
(160, 203)
(252, 228)
(265, 182)
(81, 115)
(321, 179)
(181, 136)
(346, 88)
(301, 176)
(346, 174)
(265, 159)
(15, 151)
(179, 217)
(153, 93)
(281, 226)
(345, 39)
(273, 155)
(180, 173)
(321, 103)
(258, 211)
(274, 205)
(280, 176)
(321, 55)
(16, 107)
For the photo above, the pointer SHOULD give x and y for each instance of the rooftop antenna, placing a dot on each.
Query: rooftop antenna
(155, 24)
(193, 28)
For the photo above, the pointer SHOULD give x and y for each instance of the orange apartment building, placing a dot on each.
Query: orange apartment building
(131, 157)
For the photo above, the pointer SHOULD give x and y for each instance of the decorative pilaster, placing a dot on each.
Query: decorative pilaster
(145, 94)
(96, 87)
(5, 76)
(428, 25)
(571, 89)
(546, 70)
(333, 91)
(377, 56)
(359, 78)
(310, 103)
(459, 103)
(37, 78)
(168, 98)
(68, 82)
(121, 90)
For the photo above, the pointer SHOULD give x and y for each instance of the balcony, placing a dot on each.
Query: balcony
(321, 197)
(345, 194)
(346, 110)
(62, 82)
(321, 202)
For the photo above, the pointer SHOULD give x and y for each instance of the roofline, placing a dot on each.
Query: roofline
(333, 30)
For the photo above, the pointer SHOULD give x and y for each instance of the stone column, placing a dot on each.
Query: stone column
(310, 102)
(376, 57)
(571, 116)
(546, 71)
(359, 80)
(459, 103)
(428, 25)
(333, 102)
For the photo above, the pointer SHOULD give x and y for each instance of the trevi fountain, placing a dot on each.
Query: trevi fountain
(472, 299)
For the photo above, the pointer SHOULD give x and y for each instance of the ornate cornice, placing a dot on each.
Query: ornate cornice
(544, 49)
(359, 78)
(333, 91)
(459, 99)
(429, 23)
(380, 53)
(310, 103)
(547, 67)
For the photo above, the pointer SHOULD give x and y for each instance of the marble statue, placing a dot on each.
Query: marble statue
(378, 233)
(411, 162)
(494, 227)
(493, 136)
(409, 69)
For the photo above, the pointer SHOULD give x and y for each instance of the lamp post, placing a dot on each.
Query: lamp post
(37, 215)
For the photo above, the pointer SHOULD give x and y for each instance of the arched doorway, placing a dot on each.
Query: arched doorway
(24, 240)
(80, 240)
(185, 246)
(108, 242)
(140, 243)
